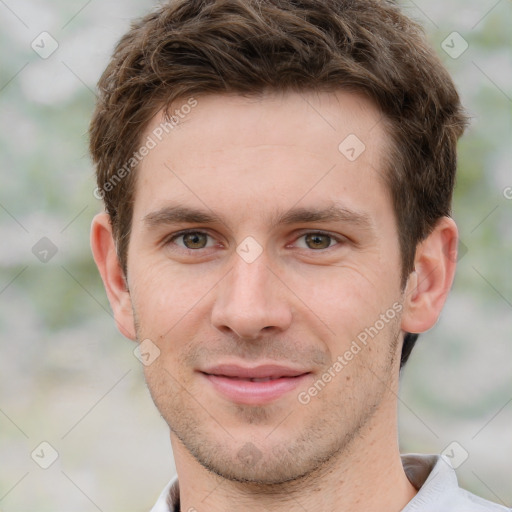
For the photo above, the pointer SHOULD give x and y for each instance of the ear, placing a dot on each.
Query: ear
(105, 256)
(429, 283)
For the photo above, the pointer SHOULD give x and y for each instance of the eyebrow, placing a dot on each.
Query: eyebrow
(331, 213)
(177, 214)
(334, 213)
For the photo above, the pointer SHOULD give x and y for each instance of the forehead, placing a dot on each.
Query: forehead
(287, 117)
(274, 145)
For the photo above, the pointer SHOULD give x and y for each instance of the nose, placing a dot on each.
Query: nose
(251, 301)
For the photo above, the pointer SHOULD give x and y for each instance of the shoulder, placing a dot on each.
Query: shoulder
(464, 501)
(438, 488)
(168, 500)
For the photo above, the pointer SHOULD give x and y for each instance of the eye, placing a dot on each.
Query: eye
(316, 241)
(192, 240)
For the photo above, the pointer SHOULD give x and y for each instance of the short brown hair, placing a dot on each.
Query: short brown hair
(192, 47)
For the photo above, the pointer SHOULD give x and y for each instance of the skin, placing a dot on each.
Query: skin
(301, 302)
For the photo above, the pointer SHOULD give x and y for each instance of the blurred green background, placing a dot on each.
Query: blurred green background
(68, 377)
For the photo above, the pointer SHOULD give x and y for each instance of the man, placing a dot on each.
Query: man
(277, 176)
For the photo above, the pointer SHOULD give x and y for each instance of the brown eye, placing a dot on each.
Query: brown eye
(317, 241)
(195, 240)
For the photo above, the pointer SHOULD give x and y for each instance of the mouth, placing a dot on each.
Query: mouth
(254, 386)
(252, 379)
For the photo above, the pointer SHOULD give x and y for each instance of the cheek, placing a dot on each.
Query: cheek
(346, 295)
(163, 294)
(350, 305)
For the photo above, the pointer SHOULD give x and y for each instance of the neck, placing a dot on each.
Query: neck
(368, 475)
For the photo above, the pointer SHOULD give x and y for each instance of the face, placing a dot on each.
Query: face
(264, 265)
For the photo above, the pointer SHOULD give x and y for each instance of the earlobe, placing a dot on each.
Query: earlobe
(429, 284)
(105, 255)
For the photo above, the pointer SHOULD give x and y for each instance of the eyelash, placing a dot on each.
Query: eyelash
(338, 240)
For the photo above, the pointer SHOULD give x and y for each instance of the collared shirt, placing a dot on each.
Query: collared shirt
(432, 475)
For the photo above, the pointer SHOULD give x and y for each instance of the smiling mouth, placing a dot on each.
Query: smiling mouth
(254, 379)
(254, 386)
(262, 371)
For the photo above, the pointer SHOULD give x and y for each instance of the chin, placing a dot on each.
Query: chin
(270, 466)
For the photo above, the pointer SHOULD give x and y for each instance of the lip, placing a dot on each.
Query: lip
(232, 381)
